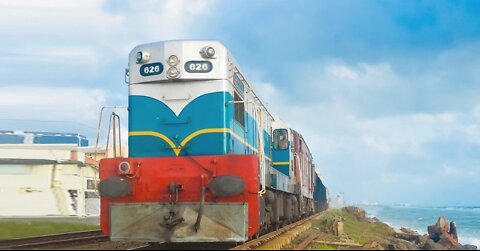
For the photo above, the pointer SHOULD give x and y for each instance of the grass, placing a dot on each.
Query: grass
(18, 229)
(323, 247)
(360, 232)
(365, 232)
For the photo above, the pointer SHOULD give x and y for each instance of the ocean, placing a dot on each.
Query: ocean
(418, 218)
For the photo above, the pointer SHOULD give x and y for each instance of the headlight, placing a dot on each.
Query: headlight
(142, 57)
(124, 167)
(173, 60)
(173, 72)
(207, 52)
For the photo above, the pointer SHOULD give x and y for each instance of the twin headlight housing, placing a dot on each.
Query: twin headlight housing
(173, 72)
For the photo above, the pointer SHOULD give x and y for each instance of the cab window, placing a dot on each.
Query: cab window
(239, 109)
(280, 139)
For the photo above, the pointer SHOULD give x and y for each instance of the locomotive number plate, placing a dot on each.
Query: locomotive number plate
(198, 66)
(151, 69)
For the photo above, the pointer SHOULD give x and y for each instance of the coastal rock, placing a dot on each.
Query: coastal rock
(412, 237)
(448, 241)
(432, 245)
(408, 231)
(465, 247)
(444, 233)
(358, 213)
(422, 240)
(470, 247)
(373, 246)
(453, 230)
(402, 245)
(440, 228)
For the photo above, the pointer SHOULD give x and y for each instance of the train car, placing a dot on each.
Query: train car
(320, 195)
(207, 161)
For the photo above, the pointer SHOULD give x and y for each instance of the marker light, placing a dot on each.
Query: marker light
(142, 57)
(207, 52)
(173, 72)
(173, 60)
(124, 167)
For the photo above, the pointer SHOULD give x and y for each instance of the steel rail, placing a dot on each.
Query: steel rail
(272, 235)
(65, 240)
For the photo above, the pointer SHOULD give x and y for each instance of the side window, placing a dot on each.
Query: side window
(239, 109)
(280, 139)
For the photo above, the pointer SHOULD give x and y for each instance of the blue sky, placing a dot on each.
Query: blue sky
(385, 92)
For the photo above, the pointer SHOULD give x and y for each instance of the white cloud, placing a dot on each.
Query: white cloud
(55, 18)
(385, 152)
(51, 103)
(86, 32)
(342, 72)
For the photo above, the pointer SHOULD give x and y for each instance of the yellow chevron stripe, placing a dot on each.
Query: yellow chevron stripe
(177, 149)
(281, 163)
(155, 134)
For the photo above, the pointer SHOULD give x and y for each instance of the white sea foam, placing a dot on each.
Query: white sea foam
(470, 240)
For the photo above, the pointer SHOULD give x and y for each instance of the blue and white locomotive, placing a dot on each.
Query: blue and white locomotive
(207, 161)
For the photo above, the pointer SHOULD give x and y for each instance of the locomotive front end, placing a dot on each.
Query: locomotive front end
(184, 180)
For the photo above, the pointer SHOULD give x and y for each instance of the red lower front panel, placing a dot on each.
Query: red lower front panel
(150, 179)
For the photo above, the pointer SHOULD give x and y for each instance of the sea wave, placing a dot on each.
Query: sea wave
(470, 240)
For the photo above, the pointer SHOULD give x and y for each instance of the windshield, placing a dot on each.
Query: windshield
(280, 139)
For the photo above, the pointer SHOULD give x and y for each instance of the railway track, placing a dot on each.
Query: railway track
(273, 240)
(54, 241)
(267, 241)
(278, 238)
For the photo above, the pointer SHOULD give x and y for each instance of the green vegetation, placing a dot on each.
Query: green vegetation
(363, 232)
(19, 229)
(356, 228)
(323, 247)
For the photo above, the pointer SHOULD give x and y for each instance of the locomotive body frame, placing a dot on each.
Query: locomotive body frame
(201, 165)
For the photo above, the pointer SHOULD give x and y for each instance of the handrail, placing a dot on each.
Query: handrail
(100, 125)
(261, 155)
(114, 118)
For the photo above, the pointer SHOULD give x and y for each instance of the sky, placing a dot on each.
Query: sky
(384, 92)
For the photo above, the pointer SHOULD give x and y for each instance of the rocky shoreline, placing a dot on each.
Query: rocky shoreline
(349, 227)
(441, 236)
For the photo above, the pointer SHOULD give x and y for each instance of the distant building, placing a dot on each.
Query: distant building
(47, 174)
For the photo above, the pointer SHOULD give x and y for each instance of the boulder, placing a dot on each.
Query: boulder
(432, 245)
(448, 241)
(373, 220)
(453, 230)
(465, 247)
(422, 240)
(358, 213)
(408, 231)
(444, 233)
(402, 245)
(440, 228)
(407, 237)
(470, 247)
(373, 246)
